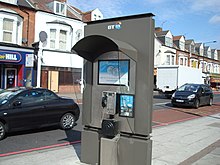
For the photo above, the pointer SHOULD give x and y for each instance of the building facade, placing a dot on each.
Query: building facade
(176, 50)
(17, 66)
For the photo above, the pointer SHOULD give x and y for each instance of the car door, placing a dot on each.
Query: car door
(208, 93)
(26, 110)
(204, 95)
(201, 94)
(55, 107)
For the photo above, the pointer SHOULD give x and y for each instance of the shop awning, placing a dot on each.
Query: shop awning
(215, 78)
(93, 46)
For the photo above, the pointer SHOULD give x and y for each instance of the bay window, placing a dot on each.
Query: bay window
(62, 40)
(170, 60)
(58, 39)
(11, 26)
(7, 30)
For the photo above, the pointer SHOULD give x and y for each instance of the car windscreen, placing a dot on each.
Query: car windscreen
(5, 95)
(189, 87)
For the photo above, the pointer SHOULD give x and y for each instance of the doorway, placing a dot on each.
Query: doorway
(53, 77)
(10, 77)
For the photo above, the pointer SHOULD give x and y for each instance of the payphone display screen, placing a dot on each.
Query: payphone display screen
(113, 72)
(126, 105)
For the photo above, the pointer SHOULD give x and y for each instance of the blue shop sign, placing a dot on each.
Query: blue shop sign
(8, 56)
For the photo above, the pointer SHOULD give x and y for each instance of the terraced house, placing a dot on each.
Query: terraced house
(36, 37)
(36, 41)
(177, 50)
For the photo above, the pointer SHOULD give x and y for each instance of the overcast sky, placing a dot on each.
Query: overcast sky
(195, 19)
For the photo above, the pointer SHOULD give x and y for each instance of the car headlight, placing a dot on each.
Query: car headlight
(192, 96)
(173, 95)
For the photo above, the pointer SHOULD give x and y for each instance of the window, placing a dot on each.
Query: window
(60, 8)
(52, 38)
(49, 95)
(183, 61)
(7, 30)
(194, 63)
(10, 1)
(58, 39)
(182, 45)
(11, 26)
(170, 60)
(168, 42)
(201, 52)
(202, 65)
(62, 40)
(69, 77)
(31, 97)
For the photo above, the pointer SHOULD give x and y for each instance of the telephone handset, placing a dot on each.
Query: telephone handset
(109, 102)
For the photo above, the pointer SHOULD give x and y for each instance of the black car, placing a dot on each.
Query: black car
(193, 95)
(26, 108)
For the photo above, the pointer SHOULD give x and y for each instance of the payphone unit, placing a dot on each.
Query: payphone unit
(117, 99)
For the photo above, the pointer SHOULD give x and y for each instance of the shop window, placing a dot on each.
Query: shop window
(69, 78)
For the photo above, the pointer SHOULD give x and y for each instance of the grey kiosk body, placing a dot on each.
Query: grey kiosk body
(117, 97)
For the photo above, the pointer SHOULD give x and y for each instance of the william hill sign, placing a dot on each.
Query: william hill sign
(7, 56)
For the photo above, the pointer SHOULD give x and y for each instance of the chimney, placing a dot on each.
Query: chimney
(36, 5)
(158, 29)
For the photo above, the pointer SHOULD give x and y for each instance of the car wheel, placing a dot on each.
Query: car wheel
(2, 130)
(196, 104)
(67, 121)
(210, 101)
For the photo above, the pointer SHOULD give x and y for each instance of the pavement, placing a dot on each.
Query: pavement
(180, 137)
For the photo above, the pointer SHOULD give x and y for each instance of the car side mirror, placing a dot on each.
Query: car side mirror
(17, 103)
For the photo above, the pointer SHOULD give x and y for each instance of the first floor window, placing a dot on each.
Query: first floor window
(62, 40)
(7, 30)
(183, 61)
(170, 60)
(194, 63)
(173, 60)
(52, 38)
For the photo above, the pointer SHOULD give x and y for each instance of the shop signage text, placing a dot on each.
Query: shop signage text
(7, 56)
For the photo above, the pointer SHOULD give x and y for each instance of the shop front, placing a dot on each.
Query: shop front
(16, 67)
(215, 81)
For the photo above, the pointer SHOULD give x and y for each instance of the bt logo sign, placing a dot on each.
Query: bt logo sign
(116, 26)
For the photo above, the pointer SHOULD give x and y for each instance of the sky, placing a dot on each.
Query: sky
(195, 19)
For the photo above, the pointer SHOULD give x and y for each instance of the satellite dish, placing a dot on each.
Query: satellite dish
(78, 34)
(43, 38)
